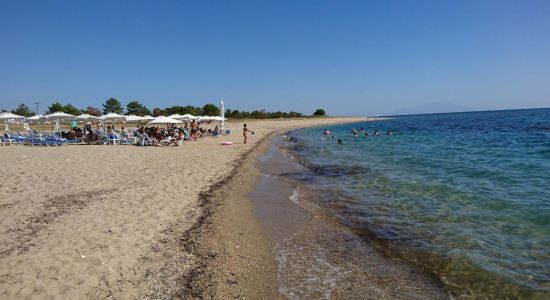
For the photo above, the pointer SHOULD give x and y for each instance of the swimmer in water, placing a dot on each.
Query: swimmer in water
(388, 133)
(354, 131)
(366, 134)
(339, 141)
(376, 132)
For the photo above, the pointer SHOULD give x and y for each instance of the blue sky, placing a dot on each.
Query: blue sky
(349, 57)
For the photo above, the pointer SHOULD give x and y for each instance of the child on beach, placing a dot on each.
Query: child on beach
(245, 131)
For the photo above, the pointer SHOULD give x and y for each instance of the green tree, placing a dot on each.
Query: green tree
(176, 109)
(191, 110)
(23, 110)
(319, 113)
(294, 114)
(55, 107)
(136, 108)
(70, 109)
(210, 110)
(236, 114)
(276, 115)
(112, 105)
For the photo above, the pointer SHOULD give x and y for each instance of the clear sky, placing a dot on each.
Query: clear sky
(349, 57)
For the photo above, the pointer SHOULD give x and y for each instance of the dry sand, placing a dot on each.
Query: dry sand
(96, 222)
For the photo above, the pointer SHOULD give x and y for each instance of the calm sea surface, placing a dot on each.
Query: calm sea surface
(464, 195)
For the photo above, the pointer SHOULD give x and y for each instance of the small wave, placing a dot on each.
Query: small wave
(295, 196)
(304, 270)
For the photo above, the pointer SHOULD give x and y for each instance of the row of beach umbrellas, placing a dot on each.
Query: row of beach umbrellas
(59, 117)
(110, 117)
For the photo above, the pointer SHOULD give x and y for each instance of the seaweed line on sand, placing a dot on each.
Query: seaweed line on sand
(171, 279)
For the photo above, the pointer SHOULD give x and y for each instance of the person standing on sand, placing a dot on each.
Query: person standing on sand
(245, 131)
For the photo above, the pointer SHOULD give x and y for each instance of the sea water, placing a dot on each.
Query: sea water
(464, 196)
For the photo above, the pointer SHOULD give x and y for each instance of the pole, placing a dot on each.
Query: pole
(36, 107)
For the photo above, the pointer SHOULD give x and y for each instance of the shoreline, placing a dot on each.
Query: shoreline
(238, 250)
(231, 245)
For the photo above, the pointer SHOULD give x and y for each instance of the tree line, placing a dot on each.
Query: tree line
(113, 105)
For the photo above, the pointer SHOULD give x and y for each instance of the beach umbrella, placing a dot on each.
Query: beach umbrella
(148, 118)
(211, 118)
(164, 120)
(10, 118)
(36, 119)
(87, 117)
(222, 114)
(217, 118)
(188, 117)
(58, 117)
(113, 117)
(176, 116)
(134, 118)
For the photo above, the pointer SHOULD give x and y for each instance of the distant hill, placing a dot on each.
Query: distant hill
(431, 108)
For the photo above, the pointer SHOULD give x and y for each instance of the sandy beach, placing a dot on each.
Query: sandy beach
(121, 222)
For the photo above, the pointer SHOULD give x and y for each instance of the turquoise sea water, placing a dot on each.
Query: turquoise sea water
(464, 195)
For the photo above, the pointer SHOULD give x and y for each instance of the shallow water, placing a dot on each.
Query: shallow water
(317, 256)
(465, 196)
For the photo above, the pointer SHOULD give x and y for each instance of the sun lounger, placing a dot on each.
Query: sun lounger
(113, 138)
(8, 140)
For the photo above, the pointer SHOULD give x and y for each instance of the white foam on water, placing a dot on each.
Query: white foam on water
(304, 270)
(295, 197)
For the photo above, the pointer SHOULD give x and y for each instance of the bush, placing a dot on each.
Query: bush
(319, 113)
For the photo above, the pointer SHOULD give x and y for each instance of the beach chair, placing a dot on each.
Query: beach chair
(145, 140)
(167, 141)
(113, 138)
(7, 140)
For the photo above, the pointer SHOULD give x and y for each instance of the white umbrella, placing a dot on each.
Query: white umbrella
(222, 114)
(113, 117)
(87, 117)
(217, 118)
(164, 120)
(9, 116)
(148, 118)
(36, 119)
(58, 117)
(176, 116)
(210, 118)
(188, 117)
(133, 118)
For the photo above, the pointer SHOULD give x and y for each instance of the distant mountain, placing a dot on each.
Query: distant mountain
(431, 108)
